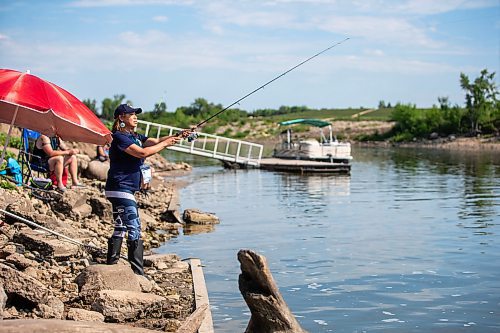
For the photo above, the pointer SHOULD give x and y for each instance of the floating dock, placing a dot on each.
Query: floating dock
(303, 166)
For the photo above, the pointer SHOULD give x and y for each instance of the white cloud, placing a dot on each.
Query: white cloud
(378, 29)
(432, 7)
(160, 18)
(113, 3)
(400, 66)
(149, 38)
(247, 16)
(374, 52)
(3, 37)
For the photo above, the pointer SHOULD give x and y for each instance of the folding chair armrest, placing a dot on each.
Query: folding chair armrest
(35, 161)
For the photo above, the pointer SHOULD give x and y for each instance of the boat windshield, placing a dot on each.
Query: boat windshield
(312, 122)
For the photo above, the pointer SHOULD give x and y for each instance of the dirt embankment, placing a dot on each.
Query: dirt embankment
(349, 130)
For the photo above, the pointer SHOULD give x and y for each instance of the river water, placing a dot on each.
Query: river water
(409, 242)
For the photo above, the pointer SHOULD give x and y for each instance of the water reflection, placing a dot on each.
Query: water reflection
(310, 195)
(475, 188)
(194, 229)
(315, 185)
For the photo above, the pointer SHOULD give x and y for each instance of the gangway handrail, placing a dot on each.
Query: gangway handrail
(209, 145)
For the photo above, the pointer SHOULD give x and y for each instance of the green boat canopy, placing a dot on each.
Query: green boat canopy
(312, 122)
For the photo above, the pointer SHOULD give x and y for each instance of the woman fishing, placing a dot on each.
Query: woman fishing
(126, 173)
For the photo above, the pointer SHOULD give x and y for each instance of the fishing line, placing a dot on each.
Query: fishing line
(193, 136)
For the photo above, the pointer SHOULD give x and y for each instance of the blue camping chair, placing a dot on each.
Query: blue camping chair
(30, 163)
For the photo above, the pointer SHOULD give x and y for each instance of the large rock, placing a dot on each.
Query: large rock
(50, 222)
(177, 267)
(198, 217)
(48, 247)
(7, 250)
(101, 207)
(53, 309)
(8, 198)
(70, 200)
(20, 206)
(23, 287)
(84, 315)
(3, 299)
(7, 230)
(65, 326)
(121, 305)
(97, 170)
(83, 211)
(147, 221)
(20, 261)
(107, 277)
(160, 261)
(146, 285)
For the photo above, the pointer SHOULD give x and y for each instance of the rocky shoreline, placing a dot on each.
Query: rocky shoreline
(43, 276)
(456, 144)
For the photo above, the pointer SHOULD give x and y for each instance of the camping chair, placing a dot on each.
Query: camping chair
(35, 172)
(31, 164)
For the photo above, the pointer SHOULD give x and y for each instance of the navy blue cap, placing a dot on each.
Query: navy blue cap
(125, 108)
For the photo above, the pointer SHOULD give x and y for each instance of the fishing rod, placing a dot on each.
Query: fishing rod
(66, 238)
(193, 136)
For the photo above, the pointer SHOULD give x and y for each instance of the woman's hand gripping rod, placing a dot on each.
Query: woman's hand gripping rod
(191, 134)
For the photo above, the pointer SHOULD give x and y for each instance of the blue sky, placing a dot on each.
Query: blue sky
(408, 51)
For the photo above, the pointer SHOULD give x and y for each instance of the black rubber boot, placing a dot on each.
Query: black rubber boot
(135, 256)
(114, 248)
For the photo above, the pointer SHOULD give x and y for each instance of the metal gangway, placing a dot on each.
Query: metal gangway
(225, 149)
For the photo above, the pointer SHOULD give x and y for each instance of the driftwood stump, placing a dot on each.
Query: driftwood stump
(270, 313)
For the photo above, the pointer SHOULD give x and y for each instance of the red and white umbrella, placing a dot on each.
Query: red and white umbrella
(29, 102)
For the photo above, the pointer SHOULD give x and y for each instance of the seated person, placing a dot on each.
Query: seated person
(54, 152)
(102, 153)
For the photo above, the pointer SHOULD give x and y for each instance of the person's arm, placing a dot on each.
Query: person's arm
(100, 151)
(47, 148)
(153, 141)
(147, 151)
(63, 147)
(101, 154)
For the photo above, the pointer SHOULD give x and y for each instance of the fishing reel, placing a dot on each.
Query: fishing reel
(192, 136)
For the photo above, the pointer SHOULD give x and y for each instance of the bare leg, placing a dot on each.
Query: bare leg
(73, 169)
(56, 165)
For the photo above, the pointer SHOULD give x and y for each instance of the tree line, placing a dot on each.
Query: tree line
(479, 115)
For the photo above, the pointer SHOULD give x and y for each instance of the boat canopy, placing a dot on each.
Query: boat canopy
(312, 122)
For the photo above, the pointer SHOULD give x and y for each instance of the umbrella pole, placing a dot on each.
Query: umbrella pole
(7, 139)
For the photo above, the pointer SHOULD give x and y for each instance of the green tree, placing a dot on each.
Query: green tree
(109, 105)
(199, 107)
(159, 110)
(481, 101)
(415, 123)
(451, 117)
(91, 104)
(180, 118)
